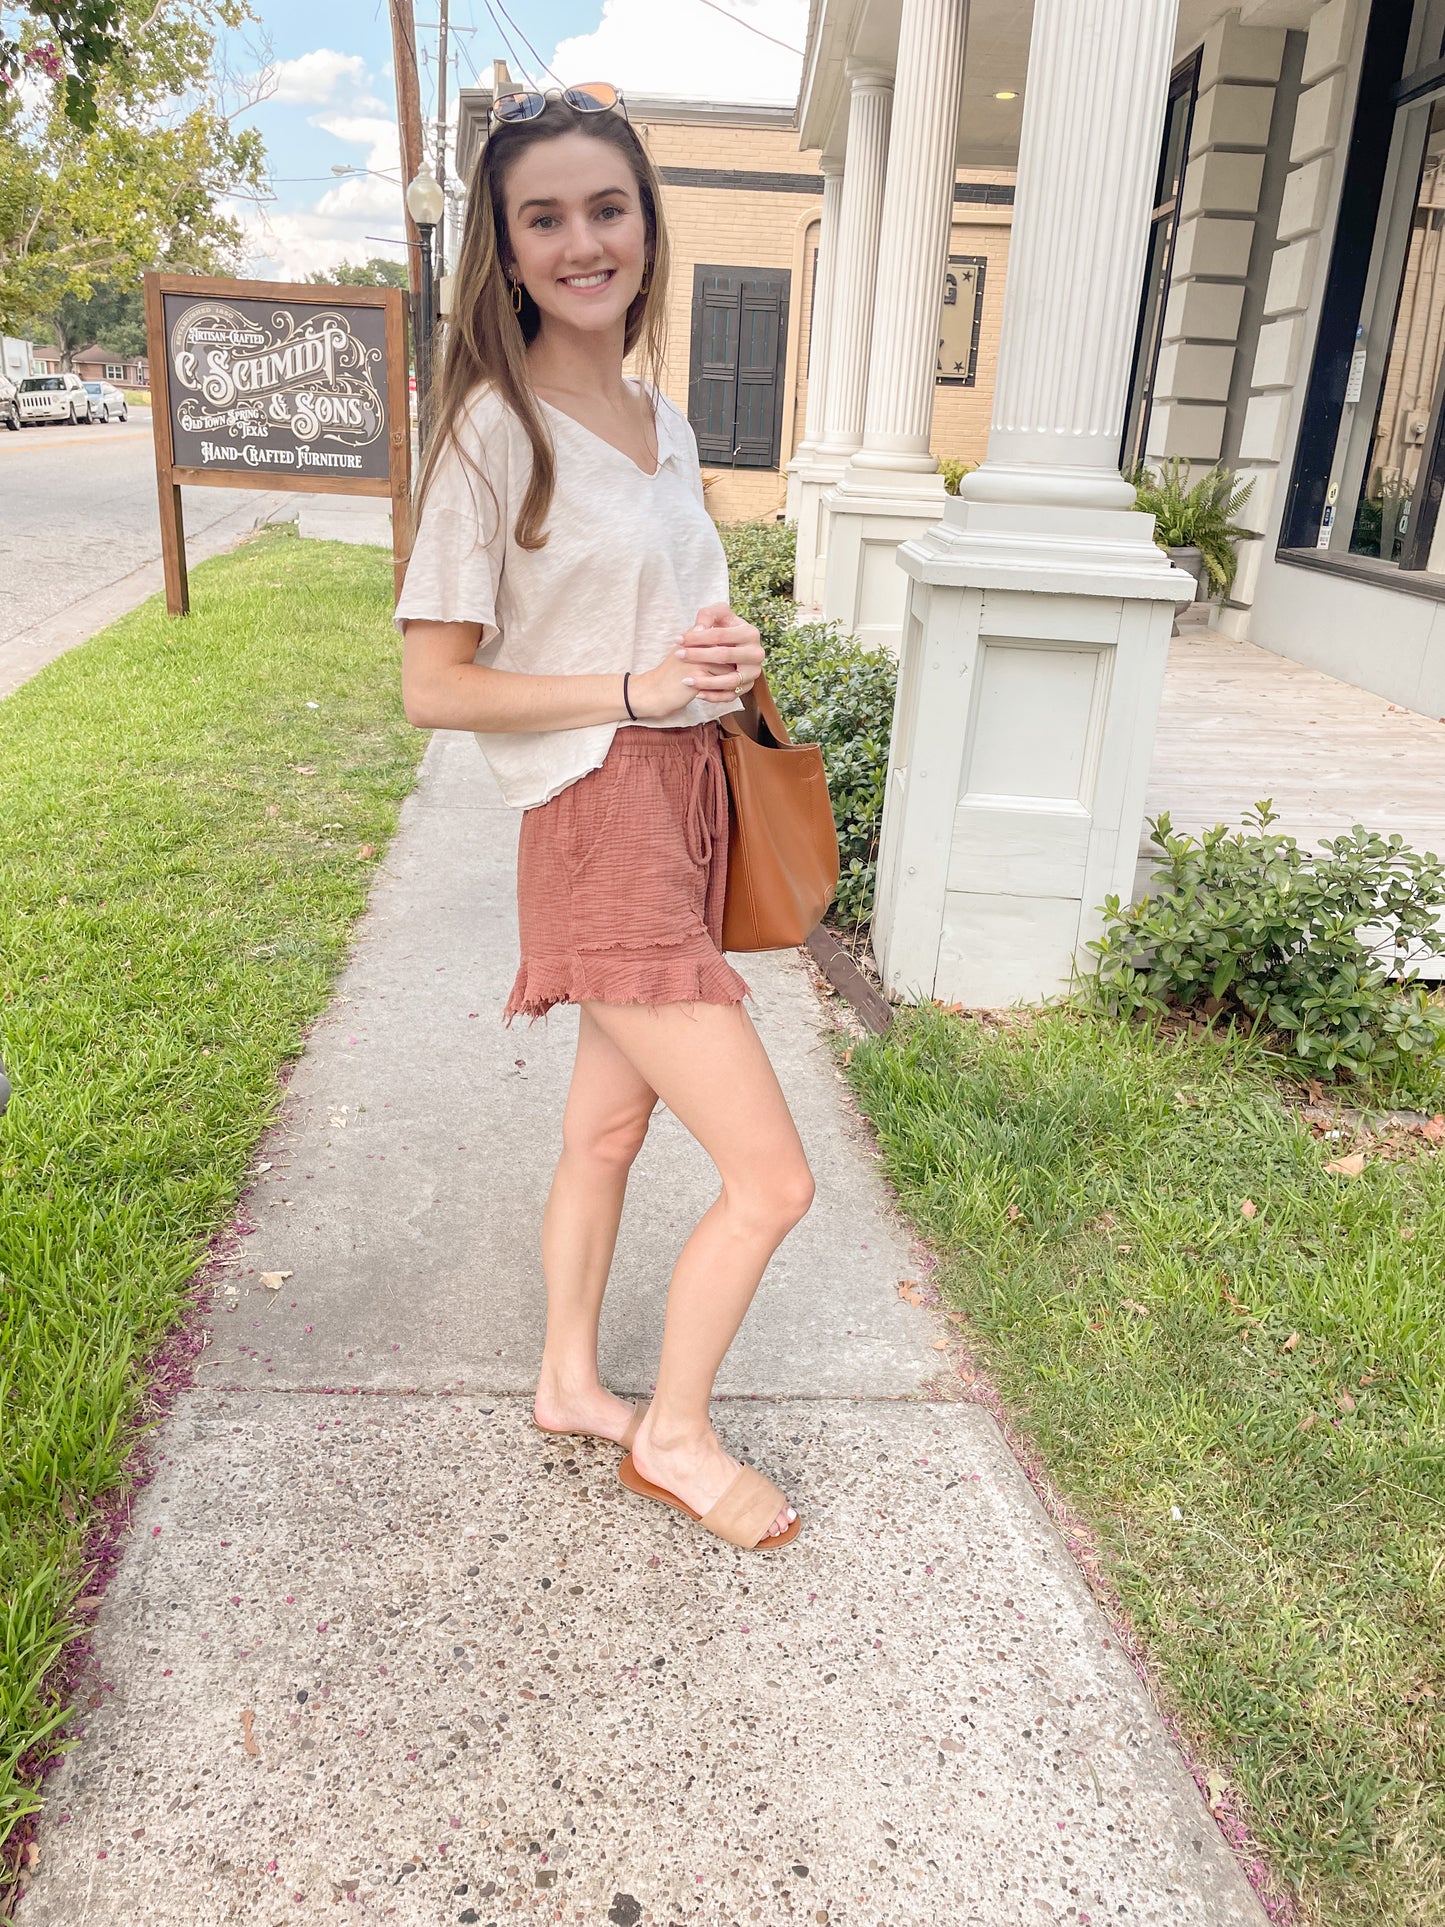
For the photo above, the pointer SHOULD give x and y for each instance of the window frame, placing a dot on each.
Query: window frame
(1144, 360)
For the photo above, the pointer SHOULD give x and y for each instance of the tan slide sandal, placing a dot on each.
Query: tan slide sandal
(750, 1503)
(639, 1412)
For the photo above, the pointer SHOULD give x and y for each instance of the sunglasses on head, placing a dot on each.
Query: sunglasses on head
(525, 103)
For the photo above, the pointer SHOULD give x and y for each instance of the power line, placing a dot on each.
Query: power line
(521, 64)
(528, 45)
(738, 21)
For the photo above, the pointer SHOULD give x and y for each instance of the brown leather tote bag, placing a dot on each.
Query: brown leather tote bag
(782, 840)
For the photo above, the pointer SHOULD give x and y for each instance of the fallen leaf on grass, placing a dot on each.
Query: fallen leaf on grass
(908, 1290)
(248, 1738)
(1248, 1209)
(1349, 1167)
(1406, 1232)
(1434, 1131)
(1345, 1402)
(366, 851)
(273, 809)
(304, 769)
(940, 1344)
(1215, 1788)
(273, 1280)
(1316, 1090)
(32, 1854)
(1306, 1422)
(1290, 1343)
(1014, 1214)
(1132, 1304)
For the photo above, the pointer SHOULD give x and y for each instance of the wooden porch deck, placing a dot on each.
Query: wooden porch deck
(1237, 723)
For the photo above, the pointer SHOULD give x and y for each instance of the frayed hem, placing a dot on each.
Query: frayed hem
(623, 978)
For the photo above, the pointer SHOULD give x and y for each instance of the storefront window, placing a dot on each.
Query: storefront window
(1386, 469)
(1391, 482)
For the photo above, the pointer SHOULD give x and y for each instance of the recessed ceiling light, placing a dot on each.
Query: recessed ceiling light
(1007, 94)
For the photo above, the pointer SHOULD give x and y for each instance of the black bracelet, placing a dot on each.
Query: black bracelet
(626, 704)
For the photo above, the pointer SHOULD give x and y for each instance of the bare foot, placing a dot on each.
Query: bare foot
(695, 1468)
(581, 1409)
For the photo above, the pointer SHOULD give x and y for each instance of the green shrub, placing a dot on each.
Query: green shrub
(1200, 516)
(1311, 946)
(830, 691)
(954, 471)
(835, 693)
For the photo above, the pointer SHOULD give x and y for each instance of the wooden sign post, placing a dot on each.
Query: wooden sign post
(271, 385)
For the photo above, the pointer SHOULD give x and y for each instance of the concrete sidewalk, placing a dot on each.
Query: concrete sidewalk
(376, 1643)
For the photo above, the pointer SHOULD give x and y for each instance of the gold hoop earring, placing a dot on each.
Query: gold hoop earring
(516, 297)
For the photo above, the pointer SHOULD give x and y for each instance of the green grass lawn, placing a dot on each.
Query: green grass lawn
(1231, 1365)
(192, 816)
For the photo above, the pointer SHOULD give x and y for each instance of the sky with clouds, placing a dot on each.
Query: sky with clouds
(331, 102)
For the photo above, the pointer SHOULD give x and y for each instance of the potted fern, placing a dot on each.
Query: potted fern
(1194, 523)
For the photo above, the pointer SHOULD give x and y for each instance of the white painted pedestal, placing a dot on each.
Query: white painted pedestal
(1022, 736)
(811, 476)
(863, 585)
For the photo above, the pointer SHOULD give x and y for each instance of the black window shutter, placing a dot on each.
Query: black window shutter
(739, 338)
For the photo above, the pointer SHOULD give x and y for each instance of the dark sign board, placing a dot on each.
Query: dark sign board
(262, 385)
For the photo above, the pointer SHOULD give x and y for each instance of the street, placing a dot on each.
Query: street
(78, 514)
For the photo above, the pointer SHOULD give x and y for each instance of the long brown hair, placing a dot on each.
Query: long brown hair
(487, 338)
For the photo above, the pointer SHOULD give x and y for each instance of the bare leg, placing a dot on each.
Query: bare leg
(608, 1110)
(708, 1065)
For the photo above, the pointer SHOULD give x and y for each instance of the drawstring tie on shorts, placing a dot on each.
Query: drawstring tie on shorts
(699, 819)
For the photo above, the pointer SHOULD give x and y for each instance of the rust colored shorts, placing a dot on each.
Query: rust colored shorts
(620, 880)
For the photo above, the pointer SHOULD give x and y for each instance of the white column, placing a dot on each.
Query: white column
(917, 214)
(807, 479)
(860, 217)
(823, 281)
(1093, 118)
(891, 490)
(1039, 608)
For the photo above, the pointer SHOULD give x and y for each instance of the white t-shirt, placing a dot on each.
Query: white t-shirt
(629, 560)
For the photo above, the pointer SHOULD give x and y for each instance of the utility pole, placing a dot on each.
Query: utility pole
(408, 117)
(442, 131)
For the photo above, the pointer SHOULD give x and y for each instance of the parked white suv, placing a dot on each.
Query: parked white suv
(54, 398)
(9, 402)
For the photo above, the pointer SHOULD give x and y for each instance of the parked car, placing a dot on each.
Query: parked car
(54, 398)
(108, 399)
(9, 402)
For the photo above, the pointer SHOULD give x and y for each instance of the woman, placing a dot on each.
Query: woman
(566, 599)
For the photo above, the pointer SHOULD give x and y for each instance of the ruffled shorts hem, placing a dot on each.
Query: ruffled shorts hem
(696, 975)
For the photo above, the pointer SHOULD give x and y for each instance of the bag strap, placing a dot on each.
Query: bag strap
(758, 719)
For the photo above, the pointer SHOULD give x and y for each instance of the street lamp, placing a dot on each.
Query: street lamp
(426, 204)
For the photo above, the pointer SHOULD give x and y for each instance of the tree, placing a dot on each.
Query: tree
(83, 40)
(112, 315)
(141, 185)
(374, 273)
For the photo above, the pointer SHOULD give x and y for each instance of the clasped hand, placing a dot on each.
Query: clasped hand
(720, 657)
